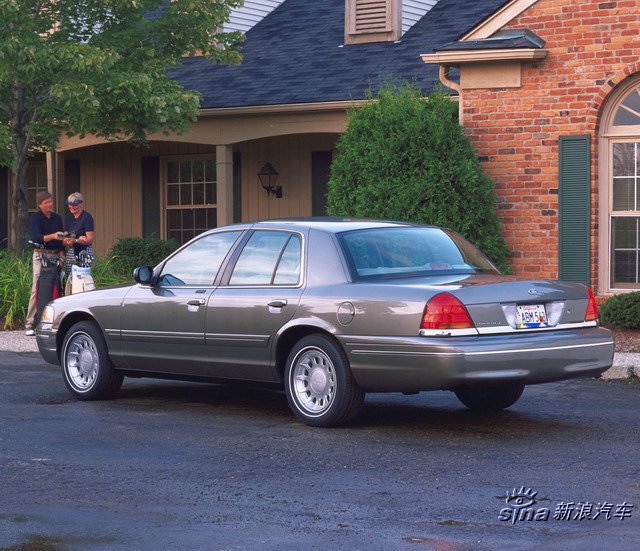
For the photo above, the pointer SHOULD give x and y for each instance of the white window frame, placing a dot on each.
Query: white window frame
(164, 206)
(609, 135)
(39, 167)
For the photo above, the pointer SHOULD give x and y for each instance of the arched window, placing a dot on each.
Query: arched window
(620, 190)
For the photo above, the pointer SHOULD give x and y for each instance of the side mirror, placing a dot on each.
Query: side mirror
(143, 275)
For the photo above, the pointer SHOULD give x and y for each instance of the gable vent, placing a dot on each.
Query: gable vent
(372, 21)
(371, 16)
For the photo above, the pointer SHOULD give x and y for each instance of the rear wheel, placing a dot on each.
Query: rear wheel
(320, 388)
(86, 366)
(492, 398)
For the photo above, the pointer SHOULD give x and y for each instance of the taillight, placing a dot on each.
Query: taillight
(444, 311)
(592, 307)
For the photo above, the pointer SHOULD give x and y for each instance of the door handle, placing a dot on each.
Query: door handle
(196, 302)
(280, 303)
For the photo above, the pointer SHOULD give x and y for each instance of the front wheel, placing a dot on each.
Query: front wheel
(491, 398)
(320, 388)
(86, 366)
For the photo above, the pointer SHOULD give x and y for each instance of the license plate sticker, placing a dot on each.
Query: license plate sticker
(531, 316)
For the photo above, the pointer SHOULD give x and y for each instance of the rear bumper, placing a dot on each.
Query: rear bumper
(410, 364)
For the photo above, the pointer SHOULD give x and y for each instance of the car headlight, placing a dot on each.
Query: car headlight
(47, 314)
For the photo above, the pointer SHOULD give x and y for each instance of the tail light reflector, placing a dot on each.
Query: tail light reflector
(592, 307)
(444, 311)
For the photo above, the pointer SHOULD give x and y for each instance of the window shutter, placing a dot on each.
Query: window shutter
(575, 209)
(372, 21)
(150, 196)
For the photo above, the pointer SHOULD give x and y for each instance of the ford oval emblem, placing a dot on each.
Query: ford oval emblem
(533, 292)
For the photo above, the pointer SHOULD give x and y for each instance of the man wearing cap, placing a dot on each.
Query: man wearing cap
(46, 228)
(80, 223)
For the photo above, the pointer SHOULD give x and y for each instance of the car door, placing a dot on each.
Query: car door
(162, 325)
(258, 295)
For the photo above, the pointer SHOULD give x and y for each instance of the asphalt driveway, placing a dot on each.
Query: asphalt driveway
(189, 466)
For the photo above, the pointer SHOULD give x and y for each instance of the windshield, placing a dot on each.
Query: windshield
(411, 252)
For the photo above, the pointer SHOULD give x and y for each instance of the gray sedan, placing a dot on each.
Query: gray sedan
(329, 309)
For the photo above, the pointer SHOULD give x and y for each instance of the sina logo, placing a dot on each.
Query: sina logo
(520, 504)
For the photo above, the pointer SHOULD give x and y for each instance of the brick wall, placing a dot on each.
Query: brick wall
(593, 46)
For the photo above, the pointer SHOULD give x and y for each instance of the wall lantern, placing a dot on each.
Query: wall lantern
(268, 177)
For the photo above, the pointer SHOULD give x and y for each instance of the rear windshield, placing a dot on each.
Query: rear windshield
(411, 252)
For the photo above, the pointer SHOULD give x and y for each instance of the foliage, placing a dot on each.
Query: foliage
(105, 273)
(15, 285)
(130, 252)
(622, 311)
(98, 67)
(15, 288)
(405, 157)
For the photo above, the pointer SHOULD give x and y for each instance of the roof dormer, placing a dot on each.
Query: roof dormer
(372, 21)
(382, 20)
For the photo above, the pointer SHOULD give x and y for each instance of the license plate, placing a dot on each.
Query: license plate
(530, 316)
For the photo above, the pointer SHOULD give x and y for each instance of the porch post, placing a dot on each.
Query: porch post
(51, 171)
(224, 176)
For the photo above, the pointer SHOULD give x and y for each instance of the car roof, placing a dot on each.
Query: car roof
(328, 224)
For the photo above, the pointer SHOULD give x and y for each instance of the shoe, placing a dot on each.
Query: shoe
(30, 333)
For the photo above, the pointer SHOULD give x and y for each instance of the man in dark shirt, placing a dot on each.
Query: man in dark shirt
(46, 229)
(80, 224)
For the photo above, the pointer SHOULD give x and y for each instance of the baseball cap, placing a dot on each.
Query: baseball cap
(74, 199)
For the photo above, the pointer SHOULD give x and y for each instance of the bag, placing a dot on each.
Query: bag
(47, 289)
(81, 280)
(69, 260)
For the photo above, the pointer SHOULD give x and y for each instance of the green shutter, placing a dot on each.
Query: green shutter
(575, 209)
(150, 196)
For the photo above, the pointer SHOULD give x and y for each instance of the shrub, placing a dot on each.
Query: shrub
(15, 285)
(622, 311)
(130, 252)
(15, 288)
(104, 273)
(405, 157)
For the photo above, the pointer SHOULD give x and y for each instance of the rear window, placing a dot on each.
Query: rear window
(411, 252)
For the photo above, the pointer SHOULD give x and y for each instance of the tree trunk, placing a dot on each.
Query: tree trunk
(19, 208)
(20, 149)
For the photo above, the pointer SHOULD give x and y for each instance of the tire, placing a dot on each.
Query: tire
(320, 388)
(492, 398)
(86, 366)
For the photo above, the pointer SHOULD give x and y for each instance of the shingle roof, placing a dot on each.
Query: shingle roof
(296, 55)
(513, 38)
(489, 44)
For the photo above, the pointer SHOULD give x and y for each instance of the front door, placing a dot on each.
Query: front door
(162, 326)
(259, 296)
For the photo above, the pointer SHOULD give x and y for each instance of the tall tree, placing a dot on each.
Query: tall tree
(97, 67)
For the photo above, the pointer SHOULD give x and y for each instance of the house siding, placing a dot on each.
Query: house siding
(592, 46)
(413, 10)
(111, 182)
(251, 13)
(291, 157)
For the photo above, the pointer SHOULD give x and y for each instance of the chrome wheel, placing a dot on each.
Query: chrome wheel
(82, 361)
(318, 383)
(313, 381)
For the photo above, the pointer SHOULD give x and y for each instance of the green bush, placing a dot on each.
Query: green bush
(15, 285)
(405, 157)
(15, 288)
(130, 252)
(622, 311)
(104, 273)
